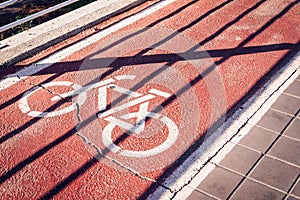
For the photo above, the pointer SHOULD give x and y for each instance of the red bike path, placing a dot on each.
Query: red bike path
(45, 157)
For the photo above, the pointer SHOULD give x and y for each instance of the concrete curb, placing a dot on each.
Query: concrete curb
(21, 46)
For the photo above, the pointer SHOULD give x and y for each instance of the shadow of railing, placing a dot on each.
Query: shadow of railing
(118, 63)
(225, 54)
(180, 161)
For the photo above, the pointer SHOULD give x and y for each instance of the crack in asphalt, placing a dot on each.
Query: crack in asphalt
(100, 154)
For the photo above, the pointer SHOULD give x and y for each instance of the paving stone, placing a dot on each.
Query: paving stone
(287, 149)
(287, 103)
(296, 190)
(240, 159)
(252, 190)
(275, 173)
(196, 195)
(258, 138)
(220, 183)
(292, 198)
(294, 88)
(274, 120)
(294, 129)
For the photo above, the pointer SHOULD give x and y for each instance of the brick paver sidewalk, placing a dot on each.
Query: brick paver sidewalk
(265, 163)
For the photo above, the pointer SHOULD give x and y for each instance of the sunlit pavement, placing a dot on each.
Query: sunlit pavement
(138, 105)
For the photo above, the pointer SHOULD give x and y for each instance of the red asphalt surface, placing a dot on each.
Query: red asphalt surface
(45, 158)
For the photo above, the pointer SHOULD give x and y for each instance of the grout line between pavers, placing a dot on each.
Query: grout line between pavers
(247, 177)
(292, 95)
(262, 155)
(267, 185)
(265, 154)
(207, 194)
(280, 111)
(292, 187)
(249, 148)
(195, 189)
(292, 138)
(268, 155)
(283, 161)
(294, 196)
(267, 129)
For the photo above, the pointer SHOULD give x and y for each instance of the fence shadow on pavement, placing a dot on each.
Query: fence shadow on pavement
(170, 59)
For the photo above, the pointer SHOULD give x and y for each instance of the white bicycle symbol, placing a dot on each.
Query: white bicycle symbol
(138, 99)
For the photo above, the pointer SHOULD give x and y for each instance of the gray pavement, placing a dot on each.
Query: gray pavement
(265, 163)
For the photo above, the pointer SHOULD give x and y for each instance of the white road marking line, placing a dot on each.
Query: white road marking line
(142, 114)
(56, 57)
(124, 91)
(25, 108)
(102, 95)
(108, 142)
(131, 128)
(160, 93)
(127, 105)
(125, 77)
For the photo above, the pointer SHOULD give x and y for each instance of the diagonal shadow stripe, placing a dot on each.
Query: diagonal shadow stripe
(36, 155)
